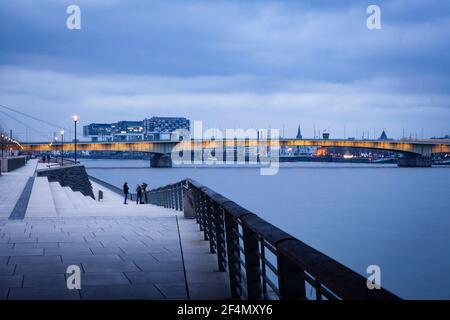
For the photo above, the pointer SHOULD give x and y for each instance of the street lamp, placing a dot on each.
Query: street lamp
(2, 140)
(62, 147)
(75, 120)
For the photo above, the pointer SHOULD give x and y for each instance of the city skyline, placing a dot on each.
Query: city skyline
(231, 64)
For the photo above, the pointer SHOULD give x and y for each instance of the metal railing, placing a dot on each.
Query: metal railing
(131, 195)
(262, 261)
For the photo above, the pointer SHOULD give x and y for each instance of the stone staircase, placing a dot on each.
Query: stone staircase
(50, 199)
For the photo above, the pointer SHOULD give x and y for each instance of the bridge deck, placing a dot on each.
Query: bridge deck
(421, 147)
(123, 254)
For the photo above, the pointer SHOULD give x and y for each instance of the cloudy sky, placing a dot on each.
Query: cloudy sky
(230, 63)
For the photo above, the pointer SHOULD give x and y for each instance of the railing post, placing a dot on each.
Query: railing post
(291, 279)
(196, 202)
(166, 199)
(172, 197)
(180, 195)
(234, 266)
(252, 264)
(209, 221)
(203, 215)
(175, 196)
(173, 191)
(220, 236)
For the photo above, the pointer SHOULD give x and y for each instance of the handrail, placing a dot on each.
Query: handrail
(111, 187)
(263, 261)
(106, 185)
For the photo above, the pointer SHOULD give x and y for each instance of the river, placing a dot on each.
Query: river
(359, 214)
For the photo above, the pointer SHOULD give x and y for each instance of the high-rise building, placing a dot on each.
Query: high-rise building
(155, 128)
(166, 128)
(99, 131)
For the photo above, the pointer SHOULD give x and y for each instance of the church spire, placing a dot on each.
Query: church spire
(299, 133)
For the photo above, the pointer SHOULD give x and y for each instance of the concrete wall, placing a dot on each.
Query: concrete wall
(413, 162)
(13, 163)
(74, 176)
(161, 161)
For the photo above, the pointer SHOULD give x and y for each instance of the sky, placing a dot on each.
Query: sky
(231, 64)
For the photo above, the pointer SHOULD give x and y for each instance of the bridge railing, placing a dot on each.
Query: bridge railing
(263, 261)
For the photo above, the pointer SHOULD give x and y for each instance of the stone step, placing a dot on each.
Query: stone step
(62, 201)
(88, 201)
(74, 197)
(109, 210)
(41, 202)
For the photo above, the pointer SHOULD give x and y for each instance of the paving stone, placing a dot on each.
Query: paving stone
(121, 292)
(47, 293)
(125, 243)
(6, 269)
(208, 291)
(35, 260)
(4, 260)
(40, 245)
(153, 265)
(206, 277)
(14, 281)
(21, 252)
(138, 257)
(109, 250)
(102, 258)
(103, 279)
(58, 238)
(22, 240)
(167, 256)
(42, 268)
(173, 291)
(83, 244)
(47, 280)
(4, 294)
(67, 251)
(156, 277)
(115, 266)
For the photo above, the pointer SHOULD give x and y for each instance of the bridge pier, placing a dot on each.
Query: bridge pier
(160, 161)
(414, 162)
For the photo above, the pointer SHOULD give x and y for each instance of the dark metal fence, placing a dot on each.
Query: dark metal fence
(262, 261)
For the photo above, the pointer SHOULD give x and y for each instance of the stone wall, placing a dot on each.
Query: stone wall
(13, 163)
(74, 176)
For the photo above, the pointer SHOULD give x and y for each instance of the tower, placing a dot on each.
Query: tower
(383, 136)
(299, 133)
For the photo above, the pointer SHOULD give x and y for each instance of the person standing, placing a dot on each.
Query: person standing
(144, 192)
(138, 194)
(125, 192)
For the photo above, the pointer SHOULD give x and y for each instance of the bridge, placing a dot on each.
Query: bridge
(415, 152)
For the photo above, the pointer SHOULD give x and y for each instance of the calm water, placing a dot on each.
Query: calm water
(360, 215)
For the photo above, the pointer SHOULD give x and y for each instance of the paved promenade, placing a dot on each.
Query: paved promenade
(124, 251)
(11, 186)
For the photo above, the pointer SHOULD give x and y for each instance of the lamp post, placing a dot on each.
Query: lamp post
(3, 143)
(75, 120)
(62, 147)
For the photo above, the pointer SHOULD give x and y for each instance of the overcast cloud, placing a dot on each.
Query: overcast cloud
(231, 63)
